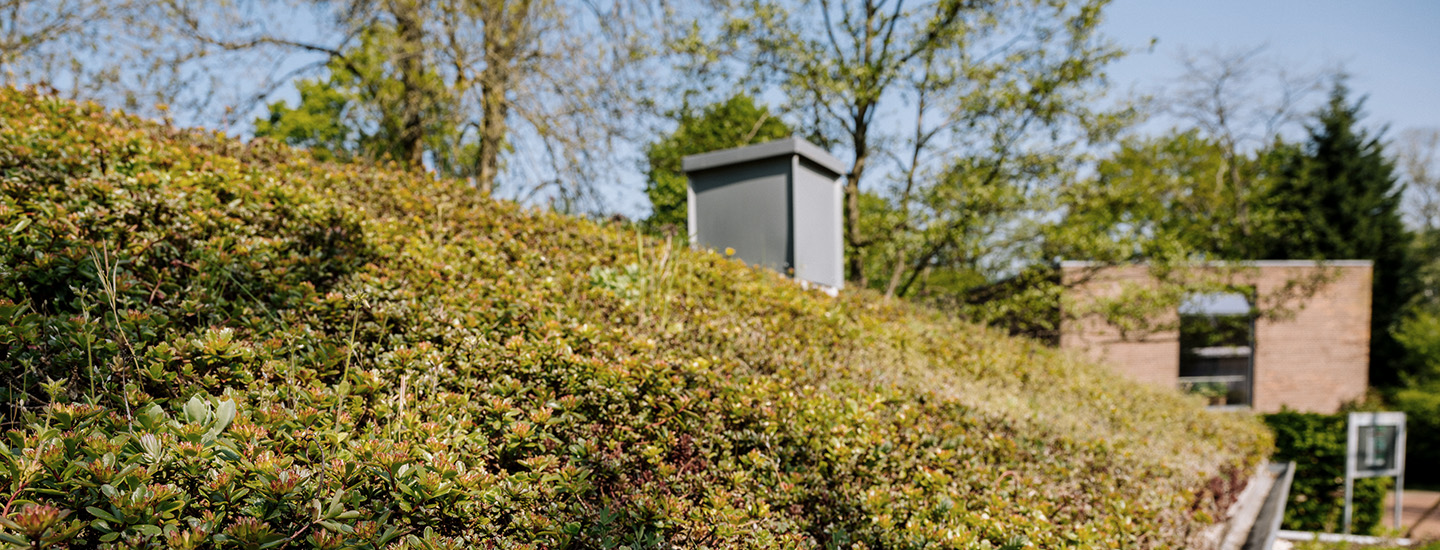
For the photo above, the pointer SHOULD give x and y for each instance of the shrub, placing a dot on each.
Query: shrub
(1421, 405)
(1316, 442)
(215, 344)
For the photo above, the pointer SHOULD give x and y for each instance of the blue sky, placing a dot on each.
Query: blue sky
(1391, 48)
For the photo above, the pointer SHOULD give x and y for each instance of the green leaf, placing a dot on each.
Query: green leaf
(16, 540)
(101, 513)
(224, 414)
(335, 507)
(148, 529)
(196, 410)
(337, 527)
(391, 533)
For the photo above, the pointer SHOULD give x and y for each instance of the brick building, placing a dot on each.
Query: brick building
(1311, 355)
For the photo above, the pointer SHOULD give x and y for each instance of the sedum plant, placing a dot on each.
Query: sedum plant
(214, 344)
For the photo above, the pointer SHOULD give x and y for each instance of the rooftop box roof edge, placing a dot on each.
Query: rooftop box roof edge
(787, 146)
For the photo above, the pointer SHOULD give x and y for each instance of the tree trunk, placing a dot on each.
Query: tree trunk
(896, 273)
(853, 237)
(494, 81)
(852, 227)
(409, 28)
(505, 26)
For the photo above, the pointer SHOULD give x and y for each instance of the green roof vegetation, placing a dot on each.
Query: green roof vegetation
(208, 343)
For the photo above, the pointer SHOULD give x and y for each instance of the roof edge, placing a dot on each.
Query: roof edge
(1076, 264)
(788, 146)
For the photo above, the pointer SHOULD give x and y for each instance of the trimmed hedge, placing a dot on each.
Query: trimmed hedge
(212, 344)
(1316, 442)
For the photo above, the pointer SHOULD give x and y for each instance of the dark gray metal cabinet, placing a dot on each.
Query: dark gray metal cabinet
(777, 204)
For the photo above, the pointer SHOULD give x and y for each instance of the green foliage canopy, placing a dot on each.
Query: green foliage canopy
(359, 110)
(1176, 193)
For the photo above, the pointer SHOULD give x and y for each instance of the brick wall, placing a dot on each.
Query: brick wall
(1147, 356)
(1314, 356)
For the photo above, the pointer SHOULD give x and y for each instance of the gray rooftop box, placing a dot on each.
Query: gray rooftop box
(777, 204)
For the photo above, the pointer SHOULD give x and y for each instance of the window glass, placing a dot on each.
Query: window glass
(1216, 347)
(1377, 447)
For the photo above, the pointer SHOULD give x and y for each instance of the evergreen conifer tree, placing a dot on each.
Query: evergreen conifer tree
(1337, 199)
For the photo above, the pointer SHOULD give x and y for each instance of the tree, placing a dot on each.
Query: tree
(363, 109)
(970, 129)
(1337, 198)
(1186, 188)
(74, 46)
(1167, 191)
(381, 54)
(317, 123)
(1418, 158)
(1242, 99)
(34, 35)
(927, 97)
(1418, 331)
(1196, 193)
(1243, 102)
(735, 122)
(457, 86)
